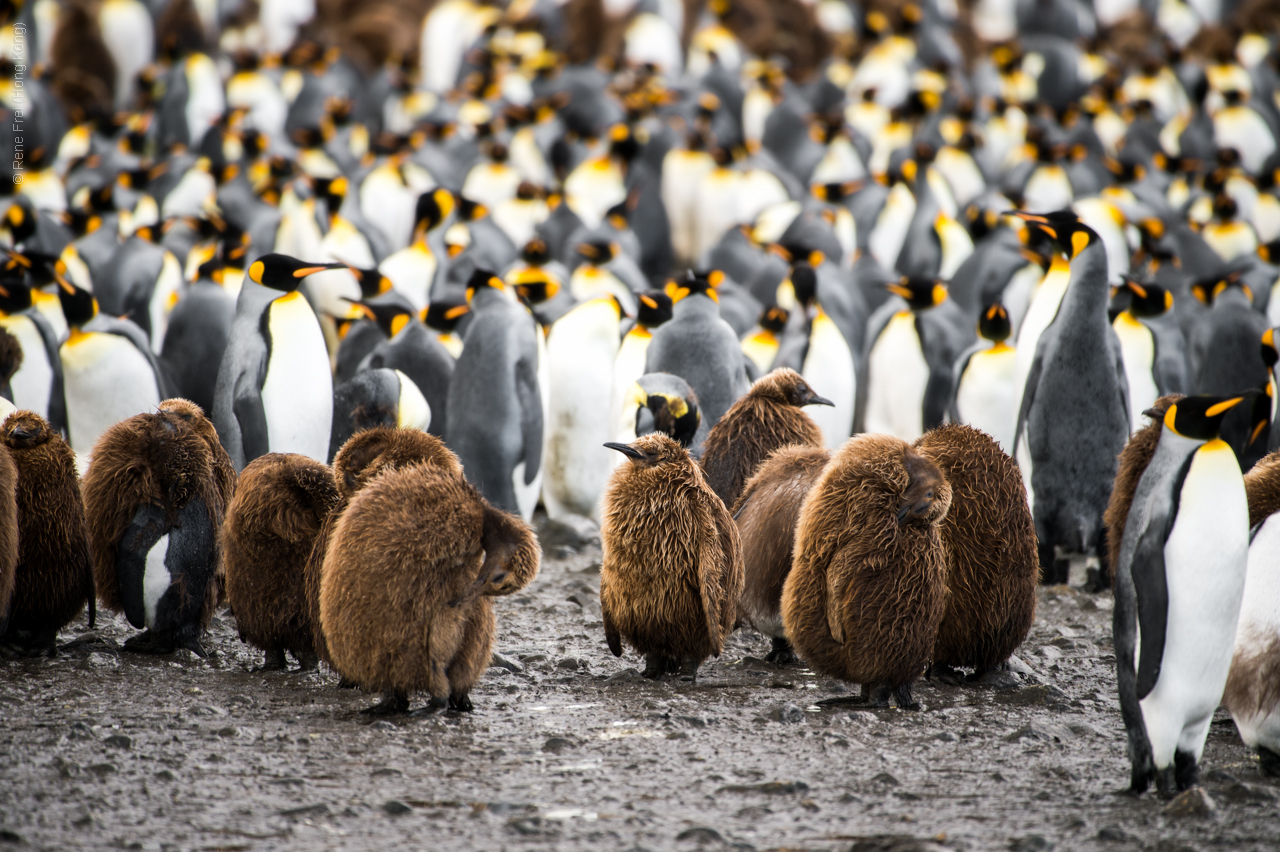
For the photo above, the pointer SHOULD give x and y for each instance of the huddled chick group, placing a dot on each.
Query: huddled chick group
(420, 268)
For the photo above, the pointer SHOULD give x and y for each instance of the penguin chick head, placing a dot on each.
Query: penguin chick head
(391, 311)
(25, 429)
(284, 273)
(994, 323)
(432, 209)
(655, 308)
(1148, 300)
(480, 280)
(1063, 227)
(444, 315)
(787, 387)
(1200, 417)
(10, 355)
(652, 450)
(78, 304)
(920, 293)
(927, 496)
(664, 403)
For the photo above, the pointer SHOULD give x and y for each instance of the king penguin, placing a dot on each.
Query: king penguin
(1150, 372)
(653, 310)
(495, 423)
(1179, 580)
(1073, 418)
(984, 383)
(413, 269)
(274, 392)
(38, 384)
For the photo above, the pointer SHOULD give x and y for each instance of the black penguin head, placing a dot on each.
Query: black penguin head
(470, 211)
(372, 282)
(78, 304)
(665, 403)
(536, 252)
(1269, 353)
(1064, 228)
(1148, 300)
(597, 252)
(432, 209)
(652, 450)
(834, 193)
(787, 387)
(391, 311)
(482, 279)
(534, 285)
(284, 273)
(1200, 417)
(25, 429)
(1208, 290)
(20, 219)
(623, 143)
(774, 319)
(444, 315)
(804, 283)
(695, 284)
(333, 191)
(655, 308)
(1270, 252)
(920, 293)
(994, 323)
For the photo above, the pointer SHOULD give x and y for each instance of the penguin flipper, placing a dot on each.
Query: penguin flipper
(250, 416)
(148, 525)
(1029, 395)
(1151, 588)
(193, 557)
(530, 418)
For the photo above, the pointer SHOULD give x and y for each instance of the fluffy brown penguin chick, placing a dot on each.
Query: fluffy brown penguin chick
(154, 506)
(672, 570)
(867, 590)
(8, 534)
(993, 566)
(54, 577)
(1134, 458)
(1262, 486)
(766, 417)
(365, 455)
(271, 528)
(766, 515)
(406, 581)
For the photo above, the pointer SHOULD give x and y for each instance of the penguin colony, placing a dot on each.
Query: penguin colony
(421, 267)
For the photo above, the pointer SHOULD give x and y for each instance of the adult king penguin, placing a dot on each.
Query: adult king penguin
(1074, 416)
(275, 391)
(984, 381)
(1179, 580)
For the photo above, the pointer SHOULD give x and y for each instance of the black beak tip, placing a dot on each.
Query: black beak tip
(626, 449)
(1152, 413)
(819, 400)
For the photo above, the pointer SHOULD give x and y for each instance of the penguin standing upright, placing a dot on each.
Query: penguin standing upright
(413, 269)
(495, 423)
(274, 390)
(985, 391)
(1074, 414)
(1178, 585)
(38, 384)
(653, 310)
(1146, 368)
(201, 326)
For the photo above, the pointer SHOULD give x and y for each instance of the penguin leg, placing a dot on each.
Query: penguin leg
(392, 704)
(188, 636)
(902, 697)
(875, 694)
(782, 654)
(433, 706)
(1166, 782)
(689, 669)
(1100, 577)
(41, 643)
(1045, 548)
(1186, 770)
(945, 675)
(273, 661)
(655, 666)
(308, 661)
(1270, 761)
(460, 702)
(344, 683)
(150, 642)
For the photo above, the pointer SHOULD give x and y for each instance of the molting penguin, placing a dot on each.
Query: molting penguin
(765, 418)
(1179, 578)
(984, 382)
(8, 535)
(275, 389)
(990, 542)
(496, 428)
(1074, 415)
(406, 582)
(867, 591)
(154, 507)
(672, 570)
(271, 526)
(380, 397)
(54, 577)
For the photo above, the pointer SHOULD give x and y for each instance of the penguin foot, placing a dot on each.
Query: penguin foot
(392, 704)
(1166, 783)
(274, 661)
(1270, 761)
(945, 675)
(1098, 580)
(150, 642)
(782, 654)
(192, 644)
(460, 702)
(433, 706)
(308, 661)
(689, 670)
(902, 697)
(875, 695)
(343, 683)
(655, 666)
(1186, 770)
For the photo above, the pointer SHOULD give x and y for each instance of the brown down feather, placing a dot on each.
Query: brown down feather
(767, 514)
(1253, 683)
(10, 356)
(270, 530)
(768, 416)
(54, 577)
(394, 602)
(365, 455)
(1134, 459)
(866, 593)
(8, 533)
(159, 459)
(1262, 487)
(671, 575)
(993, 565)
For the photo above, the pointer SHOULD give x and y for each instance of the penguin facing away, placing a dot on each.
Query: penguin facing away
(672, 570)
(1178, 585)
(378, 397)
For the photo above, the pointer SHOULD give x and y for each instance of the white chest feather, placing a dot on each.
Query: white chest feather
(297, 395)
(106, 380)
(891, 226)
(897, 375)
(34, 380)
(1138, 348)
(413, 412)
(1258, 639)
(984, 398)
(627, 368)
(411, 272)
(155, 579)
(828, 368)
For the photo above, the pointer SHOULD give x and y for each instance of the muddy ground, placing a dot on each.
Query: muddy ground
(568, 749)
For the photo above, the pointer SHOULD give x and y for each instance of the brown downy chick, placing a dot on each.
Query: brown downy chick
(154, 507)
(672, 571)
(271, 528)
(1134, 458)
(54, 577)
(868, 587)
(8, 534)
(406, 581)
(992, 563)
(1262, 487)
(10, 361)
(767, 514)
(766, 417)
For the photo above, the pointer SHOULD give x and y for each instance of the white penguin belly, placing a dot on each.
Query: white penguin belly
(1045, 301)
(1257, 646)
(106, 380)
(828, 368)
(897, 374)
(1211, 529)
(412, 410)
(297, 394)
(1138, 348)
(155, 579)
(411, 272)
(33, 382)
(984, 399)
